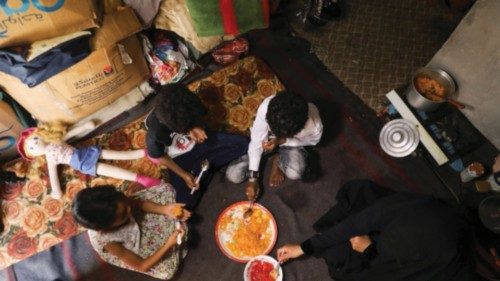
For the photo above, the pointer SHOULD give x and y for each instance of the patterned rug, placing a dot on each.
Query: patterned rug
(34, 221)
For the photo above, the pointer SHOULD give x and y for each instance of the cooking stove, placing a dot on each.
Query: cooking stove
(450, 129)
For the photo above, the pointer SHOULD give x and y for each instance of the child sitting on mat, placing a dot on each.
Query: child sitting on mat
(177, 139)
(148, 241)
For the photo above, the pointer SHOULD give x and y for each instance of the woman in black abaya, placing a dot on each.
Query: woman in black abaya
(376, 234)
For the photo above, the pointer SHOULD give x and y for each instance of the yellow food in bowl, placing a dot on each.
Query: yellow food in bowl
(249, 237)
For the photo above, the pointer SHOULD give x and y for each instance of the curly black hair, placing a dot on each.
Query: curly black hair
(95, 208)
(178, 108)
(287, 114)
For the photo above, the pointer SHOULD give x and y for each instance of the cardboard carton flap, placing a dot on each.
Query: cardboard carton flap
(84, 88)
(25, 22)
(116, 27)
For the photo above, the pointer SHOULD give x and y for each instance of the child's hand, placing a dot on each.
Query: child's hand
(189, 180)
(177, 234)
(360, 243)
(176, 211)
(289, 251)
(198, 134)
(269, 145)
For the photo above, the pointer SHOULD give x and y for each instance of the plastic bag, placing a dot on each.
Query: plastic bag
(167, 58)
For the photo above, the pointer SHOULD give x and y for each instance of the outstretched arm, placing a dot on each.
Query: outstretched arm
(362, 223)
(171, 165)
(143, 264)
(74, 131)
(54, 181)
(167, 210)
(156, 153)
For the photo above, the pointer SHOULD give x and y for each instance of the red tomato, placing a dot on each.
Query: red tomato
(259, 271)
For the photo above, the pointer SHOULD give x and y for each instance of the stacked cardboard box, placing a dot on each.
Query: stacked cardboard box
(114, 68)
(25, 21)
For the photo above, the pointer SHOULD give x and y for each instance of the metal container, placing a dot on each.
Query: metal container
(417, 100)
(472, 171)
(399, 138)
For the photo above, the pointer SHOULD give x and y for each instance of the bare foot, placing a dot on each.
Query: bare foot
(277, 177)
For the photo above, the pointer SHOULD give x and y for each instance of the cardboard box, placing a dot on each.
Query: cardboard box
(120, 24)
(10, 128)
(25, 21)
(85, 87)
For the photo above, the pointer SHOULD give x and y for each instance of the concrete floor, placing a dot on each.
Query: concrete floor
(376, 45)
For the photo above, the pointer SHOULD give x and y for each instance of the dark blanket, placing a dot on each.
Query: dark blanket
(349, 150)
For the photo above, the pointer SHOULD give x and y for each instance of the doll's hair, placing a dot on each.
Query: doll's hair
(51, 132)
(36, 168)
(95, 208)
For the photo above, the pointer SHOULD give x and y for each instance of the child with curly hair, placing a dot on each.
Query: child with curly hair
(176, 139)
(285, 122)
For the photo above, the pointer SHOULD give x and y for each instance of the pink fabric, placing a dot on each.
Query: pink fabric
(20, 142)
(154, 160)
(147, 181)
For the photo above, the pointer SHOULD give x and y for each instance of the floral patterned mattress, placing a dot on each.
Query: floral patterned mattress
(233, 93)
(35, 221)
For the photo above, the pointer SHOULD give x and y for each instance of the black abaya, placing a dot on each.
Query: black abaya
(415, 237)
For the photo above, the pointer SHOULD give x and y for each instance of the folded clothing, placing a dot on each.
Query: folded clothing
(34, 69)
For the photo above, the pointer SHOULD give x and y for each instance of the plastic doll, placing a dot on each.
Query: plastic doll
(49, 140)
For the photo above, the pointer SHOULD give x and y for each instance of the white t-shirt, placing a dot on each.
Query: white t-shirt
(309, 135)
(180, 144)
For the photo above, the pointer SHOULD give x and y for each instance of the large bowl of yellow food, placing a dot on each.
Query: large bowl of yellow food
(242, 239)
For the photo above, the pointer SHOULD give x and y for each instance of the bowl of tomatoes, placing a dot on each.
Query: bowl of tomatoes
(263, 268)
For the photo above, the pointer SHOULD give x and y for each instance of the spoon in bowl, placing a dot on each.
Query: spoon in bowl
(275, 273)
(248, 212)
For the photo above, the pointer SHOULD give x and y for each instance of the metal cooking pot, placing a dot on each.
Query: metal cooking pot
(418, 100)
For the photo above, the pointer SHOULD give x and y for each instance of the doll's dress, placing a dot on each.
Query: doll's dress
(82, 159)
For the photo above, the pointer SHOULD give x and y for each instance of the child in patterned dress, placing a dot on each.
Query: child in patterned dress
(147, 241)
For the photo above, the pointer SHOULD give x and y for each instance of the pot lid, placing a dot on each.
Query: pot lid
(399, 138)
(489, 213)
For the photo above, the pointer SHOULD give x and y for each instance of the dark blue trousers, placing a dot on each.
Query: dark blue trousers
(219, 149)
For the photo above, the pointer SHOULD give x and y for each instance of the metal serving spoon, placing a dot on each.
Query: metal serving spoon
(275, 273)
(204, 167)
(248, 212)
